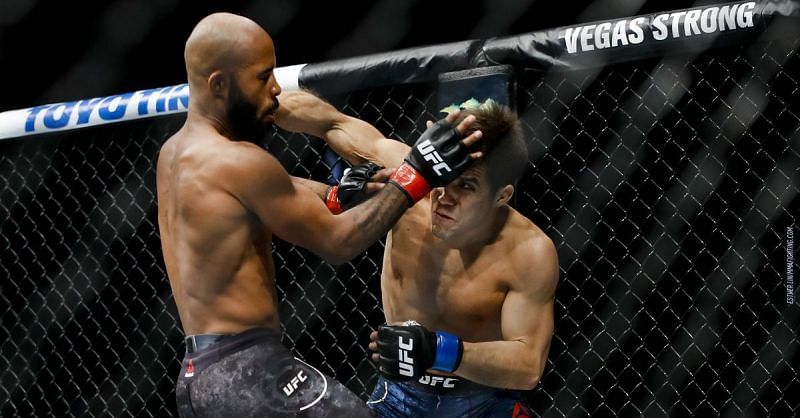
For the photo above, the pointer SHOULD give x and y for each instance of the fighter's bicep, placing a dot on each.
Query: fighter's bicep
(290, 211)
(527, 312)
(298, 215)
(525, 318)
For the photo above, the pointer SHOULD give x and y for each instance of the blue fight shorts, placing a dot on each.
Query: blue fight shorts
(443, 396)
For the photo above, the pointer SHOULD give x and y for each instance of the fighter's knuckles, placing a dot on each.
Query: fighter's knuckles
(452, 116)
(473, 138)
(383, 345)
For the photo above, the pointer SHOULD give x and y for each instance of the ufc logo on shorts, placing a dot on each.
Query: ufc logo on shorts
(430, 154)
(448, 382)
(294, 383)
(406, 361)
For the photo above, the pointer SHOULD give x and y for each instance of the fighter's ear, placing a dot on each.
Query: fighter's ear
(217, 83)
(504, 194)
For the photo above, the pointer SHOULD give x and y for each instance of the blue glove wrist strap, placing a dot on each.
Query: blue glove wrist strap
(448, 352)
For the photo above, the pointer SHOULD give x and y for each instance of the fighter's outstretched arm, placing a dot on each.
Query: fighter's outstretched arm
(353, 139)
(293, 210)
(296, 214)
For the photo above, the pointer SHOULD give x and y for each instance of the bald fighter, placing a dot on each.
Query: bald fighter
(221, 198)
(468, 283)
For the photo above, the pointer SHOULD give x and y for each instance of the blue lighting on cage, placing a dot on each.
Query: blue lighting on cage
(474, 87)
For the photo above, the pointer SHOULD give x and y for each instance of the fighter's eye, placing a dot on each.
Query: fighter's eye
(265, 76)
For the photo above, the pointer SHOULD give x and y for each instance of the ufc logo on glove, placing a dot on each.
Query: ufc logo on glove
(430, 154)
(406, 361)
(407, 351)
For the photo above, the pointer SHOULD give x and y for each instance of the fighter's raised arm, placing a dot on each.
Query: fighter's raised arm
(353, 139)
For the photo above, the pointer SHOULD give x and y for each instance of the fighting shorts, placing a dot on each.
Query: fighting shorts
(252, 374)
(443, 396)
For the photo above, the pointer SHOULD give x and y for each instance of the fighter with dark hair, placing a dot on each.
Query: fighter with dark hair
(468, 283)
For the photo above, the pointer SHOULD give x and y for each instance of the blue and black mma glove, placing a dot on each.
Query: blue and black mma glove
(350, 190)
(407, 351)
(437, 158)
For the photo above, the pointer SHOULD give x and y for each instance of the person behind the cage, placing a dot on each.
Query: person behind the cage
(468, 282)
(221, 197)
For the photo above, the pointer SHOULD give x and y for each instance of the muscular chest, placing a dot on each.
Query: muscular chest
(443, 289)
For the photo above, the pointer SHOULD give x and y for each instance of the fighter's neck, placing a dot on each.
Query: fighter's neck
(200, 118)
(211, 121)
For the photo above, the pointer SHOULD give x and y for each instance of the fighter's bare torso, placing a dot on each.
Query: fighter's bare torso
(446, 288)
(217, 253)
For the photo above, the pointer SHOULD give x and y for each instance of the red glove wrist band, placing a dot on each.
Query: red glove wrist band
(332, 201)
(411, 182)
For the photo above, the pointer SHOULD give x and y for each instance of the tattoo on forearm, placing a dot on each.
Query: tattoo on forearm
(379, 214)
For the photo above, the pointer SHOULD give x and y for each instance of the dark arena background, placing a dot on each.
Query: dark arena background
(664, 164)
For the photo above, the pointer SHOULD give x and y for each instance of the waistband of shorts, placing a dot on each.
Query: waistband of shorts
(221, 345)
(444, 385)
(197, 342)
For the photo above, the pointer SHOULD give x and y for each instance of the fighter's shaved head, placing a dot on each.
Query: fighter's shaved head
(222, 41)
(229, 64)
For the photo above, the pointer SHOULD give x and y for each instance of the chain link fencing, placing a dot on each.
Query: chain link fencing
(670, 187)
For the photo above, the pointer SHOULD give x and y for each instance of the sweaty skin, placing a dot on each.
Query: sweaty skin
(221, 197)
(461, 260)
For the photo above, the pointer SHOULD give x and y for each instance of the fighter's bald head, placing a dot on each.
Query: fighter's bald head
(230, 63)
(223, 41)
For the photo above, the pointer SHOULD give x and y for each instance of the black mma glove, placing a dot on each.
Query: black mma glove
(407, 351)
(436, 159)
(350, 190)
